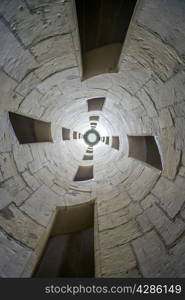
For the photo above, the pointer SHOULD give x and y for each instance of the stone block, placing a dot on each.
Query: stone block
(45, 176)
(9, 100)
(31, 181)
(182, 171)
(21, 196)
(143, 184)
(16, 61)
(39, 28)
(20, 226)
(117, 218)
(119, 235)
(152, 53)
(115, 204)
(32, 106)
(132, 75)
(166, 22)
(180, 133)
(14, 186)
(53, 47)
(22, 156)
(41, 205)
(148, 201)
(5, 198)
(13, 257)
(165, 119)
(169, 230)
(171, 195)
(152, 256)
(56, 65)
(117, 260)
(7, 166)
(148, 103)
(144, 222)
(27, 84)
(171, 162)
(178, 253)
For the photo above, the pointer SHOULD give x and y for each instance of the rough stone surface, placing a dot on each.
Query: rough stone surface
(144, 222)
(19, 226)
(119, 217)
(119, 235)
(142, 186)
(22, 156)
(41, 205)
(16, 61)
(5, 198)
(116, 203)
(169, 230)
(117, 260)
(153, 54)
(171, 196)
(171, 162)
(152, 256)
(41, 77)
(13, 257)
(32, 182)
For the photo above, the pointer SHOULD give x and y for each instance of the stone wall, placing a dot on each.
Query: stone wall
(139, 215)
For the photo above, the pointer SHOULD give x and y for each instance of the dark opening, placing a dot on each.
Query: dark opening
(95, 104)
(107, 140)
(89, 151)
(103, 25)
(88, 157)
(115, 142)
(28, 130)
(70, 249)
(84, 173)
(145, 148)
(94, 118)
(75, 135)
(65, 134)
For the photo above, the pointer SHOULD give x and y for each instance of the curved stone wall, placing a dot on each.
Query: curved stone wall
(139, 210)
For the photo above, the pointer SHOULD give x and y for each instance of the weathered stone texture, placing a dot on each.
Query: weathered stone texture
(41, 205)
(143, 184)
(21, 227)
(165, 21)
(152, 256)
(7, 165)
(32, 182)
(119, 235)
(117, 260)
(171, 162)
(171, 195)
(119, 217)
(149, 51)
(31, 106)
(165, 119)
(13, 257)
(169, 230)
(39, 20)
(115, 204)
(148, 201)
(22, 156)
(16, 61)
(5, 198)
(144, 222)
(58, 46)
